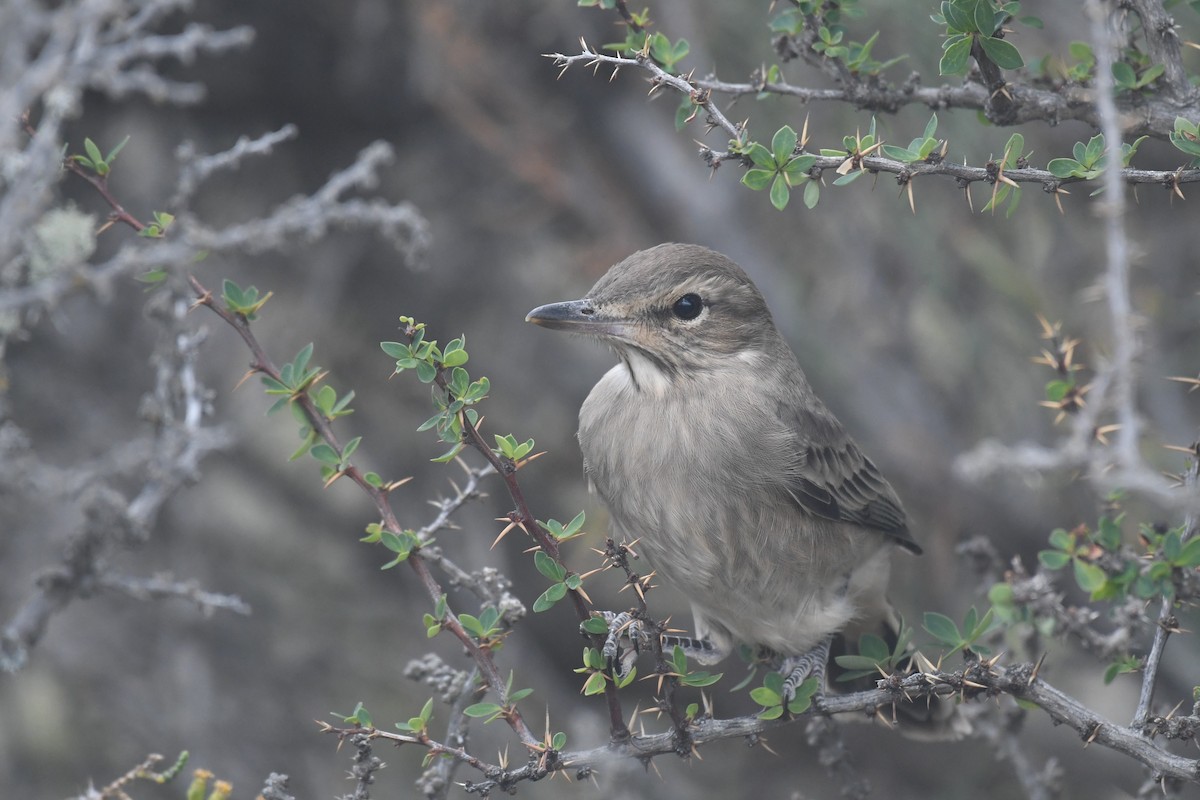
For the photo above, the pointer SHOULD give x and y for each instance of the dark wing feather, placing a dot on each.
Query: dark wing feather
(831, 478)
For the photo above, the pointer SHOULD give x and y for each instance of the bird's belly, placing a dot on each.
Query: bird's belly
(702, 495)
(749, 577)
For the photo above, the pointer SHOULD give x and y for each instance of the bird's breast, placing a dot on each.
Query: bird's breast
(693, 472)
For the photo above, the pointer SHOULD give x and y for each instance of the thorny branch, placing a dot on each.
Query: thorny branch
(1027, 104)
(977, 680)
(523, 517)
(380, 496)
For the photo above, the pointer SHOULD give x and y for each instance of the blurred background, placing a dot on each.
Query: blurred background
(917, 329)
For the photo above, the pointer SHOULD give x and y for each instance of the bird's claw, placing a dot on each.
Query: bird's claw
(798, 669)
(624, 641)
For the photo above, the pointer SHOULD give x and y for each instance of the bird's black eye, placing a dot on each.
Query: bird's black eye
(688, 307)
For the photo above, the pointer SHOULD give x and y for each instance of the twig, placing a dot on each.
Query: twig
(113, 521)
(701, 90)
(523, 516)
(321, 425)
(1165, 625)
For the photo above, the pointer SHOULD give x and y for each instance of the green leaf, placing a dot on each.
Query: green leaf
(1056, 389)
(1001, 594)
(862, 663)
(774, 712)
(1124, 75)
(549, 597)
(873, 647)
(762, 157)
(957, 20)
(765, 697)
(812, 194)
(954, 60)
(1081, 51)
(678, 660)
(984, 19)
(1003, 54)
(449, 455)
(701, 679)
(1171, 546)
(1062, 540)
(592, 658)
(797, 169)
(454, 358)
(93, 152)
(684, 112)
(1089, 577)
(900, 153)
(1053, 559)
(325, 454)
(594, 625)
(779, 193)
(1013, 150)
(594, 683)
(1189, 555)
(757, 179)
(931, 127)
(1065, 168)
(482, 710)
(471, 624)
(942, 628)
(426, 372)
(112, 154)
(548, 566)
(1150, 76)
(1093, 151)
(783, 143)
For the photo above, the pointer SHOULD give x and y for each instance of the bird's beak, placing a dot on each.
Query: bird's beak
(578, 316)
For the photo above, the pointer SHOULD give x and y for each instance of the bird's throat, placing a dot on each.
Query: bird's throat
(647, 375)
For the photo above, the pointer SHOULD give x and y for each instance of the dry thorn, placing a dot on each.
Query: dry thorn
(504, 532)
(1036, 669)
(1102, 432)
(249, 373)
(1194, 382)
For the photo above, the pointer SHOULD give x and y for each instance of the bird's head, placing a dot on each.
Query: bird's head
(677, 308)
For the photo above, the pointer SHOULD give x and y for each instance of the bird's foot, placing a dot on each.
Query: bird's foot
(798, 669)
(626, 637)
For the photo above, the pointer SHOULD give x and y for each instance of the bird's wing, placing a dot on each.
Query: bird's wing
(830, 477)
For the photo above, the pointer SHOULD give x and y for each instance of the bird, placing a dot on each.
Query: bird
(709, 447)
